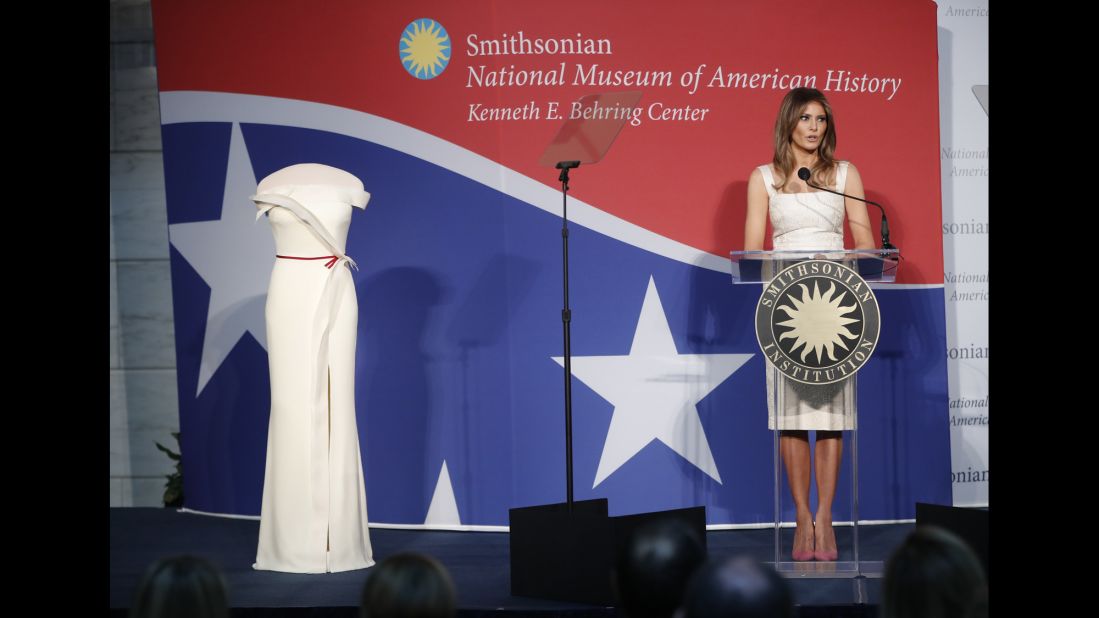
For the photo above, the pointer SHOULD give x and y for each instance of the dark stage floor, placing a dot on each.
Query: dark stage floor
(478, 562)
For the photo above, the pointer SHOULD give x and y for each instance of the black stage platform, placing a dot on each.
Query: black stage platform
(477, 561)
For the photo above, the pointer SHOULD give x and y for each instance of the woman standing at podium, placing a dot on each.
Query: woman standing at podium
(803, 218)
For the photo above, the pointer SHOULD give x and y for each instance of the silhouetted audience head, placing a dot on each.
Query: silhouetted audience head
(654, 566)
(181, 587)
(934, 574)
(408, 585)
(738, 587)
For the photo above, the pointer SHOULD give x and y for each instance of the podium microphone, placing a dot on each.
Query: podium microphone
(565, 166)
(805, 174)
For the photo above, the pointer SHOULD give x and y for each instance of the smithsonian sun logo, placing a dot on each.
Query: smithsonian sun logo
(425, 48)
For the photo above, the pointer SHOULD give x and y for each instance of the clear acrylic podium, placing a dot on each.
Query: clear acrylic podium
(875, 267)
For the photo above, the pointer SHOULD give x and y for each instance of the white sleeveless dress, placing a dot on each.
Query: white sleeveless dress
(808, 221)
(313, 518)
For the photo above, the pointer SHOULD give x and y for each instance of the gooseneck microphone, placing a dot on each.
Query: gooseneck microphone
(805, 174)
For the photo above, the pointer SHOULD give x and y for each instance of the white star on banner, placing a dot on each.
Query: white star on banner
(443, 510)
(233, 256)
(654, 391)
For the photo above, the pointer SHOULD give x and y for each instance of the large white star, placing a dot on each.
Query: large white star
(654, 391)
(233, 256)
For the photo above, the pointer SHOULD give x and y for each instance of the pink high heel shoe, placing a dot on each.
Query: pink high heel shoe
(805, 556)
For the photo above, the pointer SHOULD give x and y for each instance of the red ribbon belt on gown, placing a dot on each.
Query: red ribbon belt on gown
(332, 259)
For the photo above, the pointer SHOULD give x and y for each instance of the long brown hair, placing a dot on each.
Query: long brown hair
(789, 113)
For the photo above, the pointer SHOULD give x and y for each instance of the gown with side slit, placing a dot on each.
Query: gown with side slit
(313, 517)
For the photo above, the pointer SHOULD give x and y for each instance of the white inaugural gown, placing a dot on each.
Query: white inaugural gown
(313, 518)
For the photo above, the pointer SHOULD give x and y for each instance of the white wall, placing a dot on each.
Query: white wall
(963, 65)
(144, 407)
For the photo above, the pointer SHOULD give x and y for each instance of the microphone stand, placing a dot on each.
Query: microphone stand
(884, 222)
(566, 319)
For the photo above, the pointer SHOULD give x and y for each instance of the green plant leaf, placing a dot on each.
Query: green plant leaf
(174, 456)
(173, 489)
